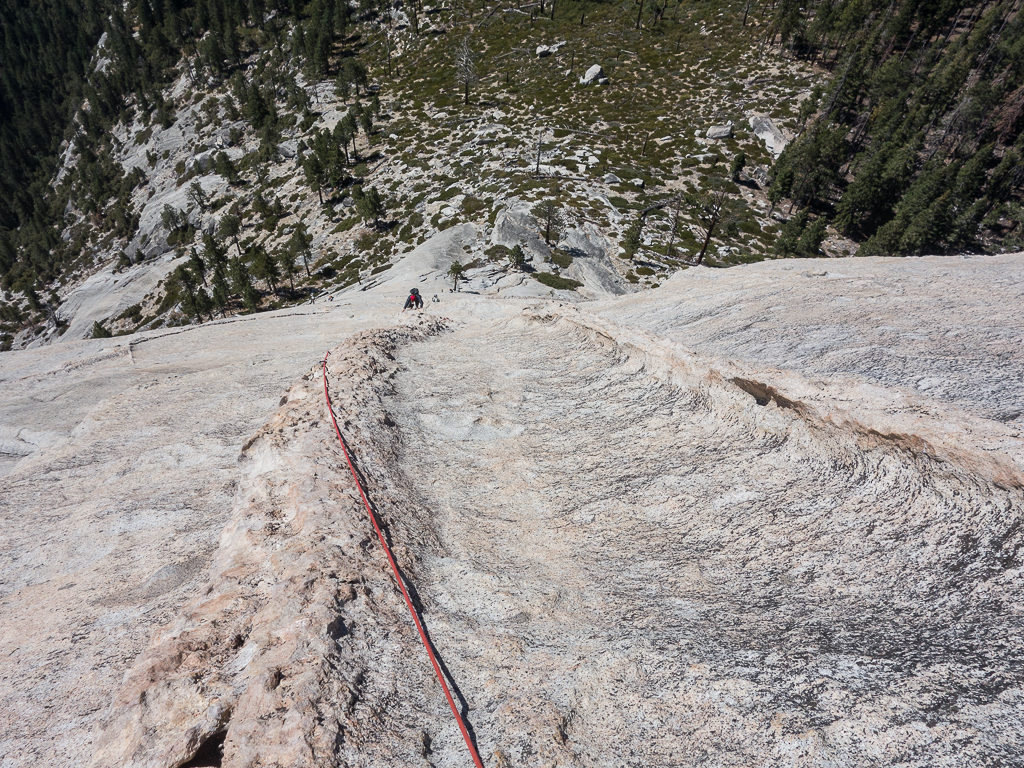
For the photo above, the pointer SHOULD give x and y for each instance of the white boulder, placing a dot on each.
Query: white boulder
(720, 131)
(767, 131)
(592, 75)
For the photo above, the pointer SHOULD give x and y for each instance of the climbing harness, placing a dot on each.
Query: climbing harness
(398, 578)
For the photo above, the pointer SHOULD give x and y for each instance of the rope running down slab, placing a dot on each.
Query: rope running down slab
(398, 578)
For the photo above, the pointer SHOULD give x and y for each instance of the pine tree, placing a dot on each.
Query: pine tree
(550, 217)
(184, 281)
(286, 259)
(456, 272)
(809, 244)
(787, 243)
(229, 226)
(366, 121)
(516, 257)
(242, 284)
(197, 266)
(265, 267)
(369, 204)
(632, 239)
(299, 244)
(313, 169)
(715, 212)
(222, 165)
(739, 161)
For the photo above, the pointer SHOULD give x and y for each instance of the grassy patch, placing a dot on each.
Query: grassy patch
(557, 282)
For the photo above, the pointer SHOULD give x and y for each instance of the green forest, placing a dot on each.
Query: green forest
(51, 69)
(915, 145)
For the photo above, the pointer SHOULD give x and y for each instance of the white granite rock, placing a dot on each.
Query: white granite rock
(592, 75)
(719, 131)
(768, 131)
(765, 515)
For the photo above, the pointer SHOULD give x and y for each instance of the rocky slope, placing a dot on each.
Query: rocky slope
(721, 523)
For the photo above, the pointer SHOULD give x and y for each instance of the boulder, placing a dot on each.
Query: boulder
(767, 131)
(720, 131)
(592, 75)
(611, 178)
(543, 50)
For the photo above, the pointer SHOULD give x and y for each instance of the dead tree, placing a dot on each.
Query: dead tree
(713, 213)
(465, 67)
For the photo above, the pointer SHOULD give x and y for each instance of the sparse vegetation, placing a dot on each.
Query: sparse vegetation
(318, 105)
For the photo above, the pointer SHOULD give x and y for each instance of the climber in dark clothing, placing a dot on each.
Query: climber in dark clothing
(415, 301)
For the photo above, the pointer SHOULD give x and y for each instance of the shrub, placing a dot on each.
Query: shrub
(561, 258)
(133, 313)
(498, 253)
(472, 205)
(557, 282)
(448, 194)
(365, 241)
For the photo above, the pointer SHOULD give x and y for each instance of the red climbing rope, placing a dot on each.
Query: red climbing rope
(398, 578)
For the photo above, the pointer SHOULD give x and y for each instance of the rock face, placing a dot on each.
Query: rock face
(108, 293)
(663, 547)
(767, 131)
(114, 507)
(592, 75)
(252, 667)
(720, 131)
(774, 510)
(949, 332)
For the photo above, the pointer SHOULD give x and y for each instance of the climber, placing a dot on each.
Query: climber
(415, 301)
